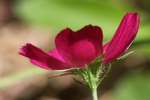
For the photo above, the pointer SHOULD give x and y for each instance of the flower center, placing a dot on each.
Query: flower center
(83, 52)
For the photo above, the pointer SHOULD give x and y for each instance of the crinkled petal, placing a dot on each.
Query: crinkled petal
(123, 37)
(80, 47)
(42, 59)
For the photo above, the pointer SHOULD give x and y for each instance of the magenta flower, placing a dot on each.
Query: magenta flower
(76, 49)
(73, 49)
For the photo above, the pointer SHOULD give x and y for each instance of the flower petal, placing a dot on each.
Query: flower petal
(40, 58)
(80, 47)
(54, 53)
(123, 37)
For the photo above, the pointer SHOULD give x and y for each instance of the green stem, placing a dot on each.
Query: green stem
(92, 81)
(94, 94)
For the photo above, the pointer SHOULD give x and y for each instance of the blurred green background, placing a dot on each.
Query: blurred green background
(39, 21)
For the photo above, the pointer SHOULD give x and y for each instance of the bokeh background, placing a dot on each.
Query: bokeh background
(38, 22)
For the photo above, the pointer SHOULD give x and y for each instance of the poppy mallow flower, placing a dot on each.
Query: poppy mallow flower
(75, 49)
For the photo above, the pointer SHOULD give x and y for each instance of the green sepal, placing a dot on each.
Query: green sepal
(94, 73)
(125, 55)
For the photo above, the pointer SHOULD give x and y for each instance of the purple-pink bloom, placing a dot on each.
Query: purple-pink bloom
(75, 49)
